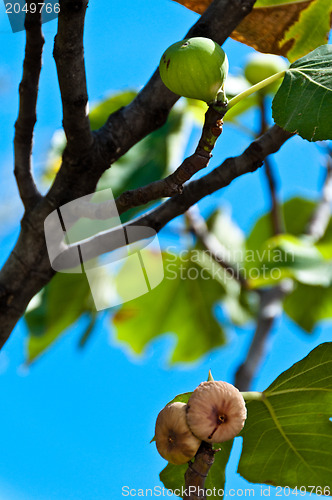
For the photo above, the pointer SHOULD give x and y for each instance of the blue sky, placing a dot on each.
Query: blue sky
(77, 425)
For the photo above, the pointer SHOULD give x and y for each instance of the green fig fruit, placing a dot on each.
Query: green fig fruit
(261, 66)
(194, 68)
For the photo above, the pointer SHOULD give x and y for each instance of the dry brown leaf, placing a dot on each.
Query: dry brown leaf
(198, 6)
(264, 28)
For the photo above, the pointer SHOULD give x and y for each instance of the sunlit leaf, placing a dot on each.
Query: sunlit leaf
(186, 292)
(307, 305)
(298, 258)
(325, 242)
(100, 111)
(286, 28)
(259, 251)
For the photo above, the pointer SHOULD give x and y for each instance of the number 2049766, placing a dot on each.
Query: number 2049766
(303, 490)
(17, 8)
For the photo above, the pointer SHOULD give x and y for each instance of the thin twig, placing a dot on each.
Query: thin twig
(270, 308)
(25, 123)
(276, 216)
(322, 214)
(277, 222)
(213, 246)
(69, 58)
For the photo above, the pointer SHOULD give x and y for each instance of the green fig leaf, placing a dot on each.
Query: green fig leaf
(287, 435)
(58, 307)
(303, 103)
(324, 244)
(185, 292)
(307, 305)
(260, 250)
(54, 310)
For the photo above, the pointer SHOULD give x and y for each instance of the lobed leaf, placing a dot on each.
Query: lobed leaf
(184, 293)
(287, 438)
(303, 103)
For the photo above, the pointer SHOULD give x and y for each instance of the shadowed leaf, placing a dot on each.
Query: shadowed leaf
(287, 436)
(303, 103)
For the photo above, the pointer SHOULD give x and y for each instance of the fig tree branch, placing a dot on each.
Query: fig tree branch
(146, 113)
(170, 185)
(28, 269)
(69, 58)
(197, 472)
(276, 215)
(24, 126)
(249, 161)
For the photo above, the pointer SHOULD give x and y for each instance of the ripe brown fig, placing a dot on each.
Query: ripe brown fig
(175, 442)
(216, 411)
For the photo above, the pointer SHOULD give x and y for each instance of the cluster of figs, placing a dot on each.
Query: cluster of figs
(215, 413)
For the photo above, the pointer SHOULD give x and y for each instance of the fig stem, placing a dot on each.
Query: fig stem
(212, 129)
(255, 88)
(252, 396)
